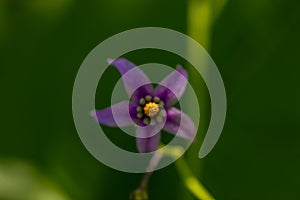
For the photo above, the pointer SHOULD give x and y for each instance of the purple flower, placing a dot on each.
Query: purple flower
(151, 109)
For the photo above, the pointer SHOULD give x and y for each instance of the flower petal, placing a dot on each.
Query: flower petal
(148, 144)
(171, 88)
(132, 76)
(180, 124)
(116, 115)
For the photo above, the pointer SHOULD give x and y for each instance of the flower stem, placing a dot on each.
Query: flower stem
(145, 180)
(141, 192)
(190, 181)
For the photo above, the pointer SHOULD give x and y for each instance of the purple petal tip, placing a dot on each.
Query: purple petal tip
(93, 113)
(110, 61)
(183, 72)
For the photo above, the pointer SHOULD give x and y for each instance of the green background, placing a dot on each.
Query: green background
(42, 45)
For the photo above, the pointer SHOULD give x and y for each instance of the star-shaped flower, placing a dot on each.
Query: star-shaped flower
(151, 109)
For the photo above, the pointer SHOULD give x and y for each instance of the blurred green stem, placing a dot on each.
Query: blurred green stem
(191, 182)
(201, 15)
(199, 22)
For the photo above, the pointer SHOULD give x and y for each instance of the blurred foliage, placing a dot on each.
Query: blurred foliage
(20, 181)
(254, 43)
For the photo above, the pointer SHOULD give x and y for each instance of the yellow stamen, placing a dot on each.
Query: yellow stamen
(151, 109)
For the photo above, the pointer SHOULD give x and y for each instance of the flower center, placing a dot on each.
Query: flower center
(151, 109)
